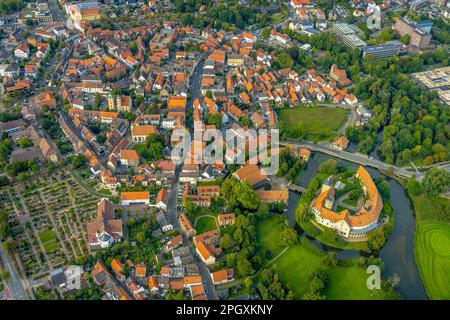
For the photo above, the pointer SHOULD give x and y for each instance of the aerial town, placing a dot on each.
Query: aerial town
(350, 97)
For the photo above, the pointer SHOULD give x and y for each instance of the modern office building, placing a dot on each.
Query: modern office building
(348, 35)
(380, 51)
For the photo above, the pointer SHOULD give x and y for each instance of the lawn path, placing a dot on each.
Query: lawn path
(276, 258)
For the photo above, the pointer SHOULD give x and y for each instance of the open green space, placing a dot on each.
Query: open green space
(433, 257)
(205, 223)
(298, 262)
(296, 265)
(348, 283)
(266, 233)
(316, 124)
(432, 246)
(49, 241)
(280, 16)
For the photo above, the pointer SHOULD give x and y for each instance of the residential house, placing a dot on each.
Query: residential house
(226, 219)
(340, 143)
(222, 276)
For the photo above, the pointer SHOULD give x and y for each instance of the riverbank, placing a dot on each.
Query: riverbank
(315, 231)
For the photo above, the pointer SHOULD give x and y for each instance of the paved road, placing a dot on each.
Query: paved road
(172, 214)
(172, 211)
(195, 83)
(15, 289)
(56, 12)
(359, 158)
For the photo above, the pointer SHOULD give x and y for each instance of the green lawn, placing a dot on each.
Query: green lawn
(348, 283)
(266, 233)
(296, 265)
(49, 241)
(433, 257)
(205, 224)
(319, 124)
(432, 246)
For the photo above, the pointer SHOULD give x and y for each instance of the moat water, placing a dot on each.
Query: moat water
(398, 252)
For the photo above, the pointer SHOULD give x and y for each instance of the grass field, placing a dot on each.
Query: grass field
(348, 283)
(319, 124)
(432, 246)
(204, 224)
(266, 233)
(433, 257)
(295, 266)
(49, 241)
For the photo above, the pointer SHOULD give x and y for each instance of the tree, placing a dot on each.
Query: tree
(330, 260)
(265, 33)
(413, 186)
(328, 167)
(9, 245)
(5, 227)
(301, 212)
(227, 241)
(270, 287)
(140, 236)
(78, 161)
(231, 260)
(214, 119)
(133, 47)
(376, 239)
(263, 210)
(405, 39)
(24, 142)
(5, 275)
(176, 295)
(241, 194)
(244, 267)
(330, 235)
(153, 149)
(318, 282)
(435, 182)
(284, 60)
(287, 237)
(311, 295)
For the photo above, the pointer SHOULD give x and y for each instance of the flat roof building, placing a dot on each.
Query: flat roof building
(348, 35)
(380, 51)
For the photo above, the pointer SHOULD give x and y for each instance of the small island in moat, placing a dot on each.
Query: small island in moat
(346, 209)
(353, 214)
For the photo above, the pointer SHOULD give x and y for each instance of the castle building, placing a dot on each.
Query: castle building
(349, 225)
